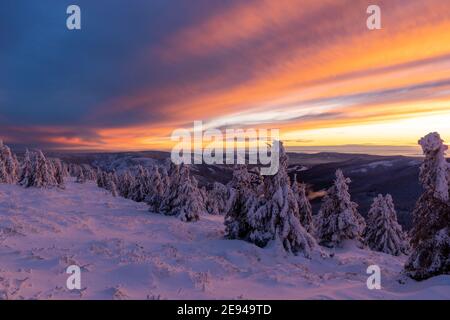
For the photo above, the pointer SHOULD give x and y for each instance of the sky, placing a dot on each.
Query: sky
(138, 70)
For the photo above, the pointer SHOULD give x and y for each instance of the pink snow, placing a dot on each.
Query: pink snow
(125, 252)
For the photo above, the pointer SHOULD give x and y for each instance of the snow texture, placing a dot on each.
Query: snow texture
(125, 252)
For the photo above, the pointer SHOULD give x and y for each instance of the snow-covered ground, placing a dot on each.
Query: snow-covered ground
(126, 252)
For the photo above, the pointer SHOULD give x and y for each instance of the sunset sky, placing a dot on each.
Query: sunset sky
(140, 69)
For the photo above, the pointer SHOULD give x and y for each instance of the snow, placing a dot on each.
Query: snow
(125, 252)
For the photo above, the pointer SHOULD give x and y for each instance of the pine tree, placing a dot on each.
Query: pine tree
(338, 218)
(304, 206)
(277, 215)
(430, 236)
(182, 198)
(383, 233)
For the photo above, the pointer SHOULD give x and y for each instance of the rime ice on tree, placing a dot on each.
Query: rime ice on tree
(431, 231)
(243, 194)
(218, 199)
(59, 172)
(338, 217)
(182, 197)
(126, 182)
(383, 233)
(37, 171)
(157, 189)
(141, 186)
(268, 211)
(304, 206)
(276, 217)
(9, 166)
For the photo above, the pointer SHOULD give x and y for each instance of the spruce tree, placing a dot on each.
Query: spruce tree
(80, 176)
(182, 197)
(26, 178)
(157, 190)
(276, 216)
(338, 218)
(430, 236)
(243, 195)
(100, 178)
(141, 186)
(217, 199)
(59, 173)
(110, 185)
(8, 166)
(42, 173)
(304, 206)
(383, 233)
(125, 184)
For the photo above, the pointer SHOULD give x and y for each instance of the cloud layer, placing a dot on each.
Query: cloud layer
(135, 73)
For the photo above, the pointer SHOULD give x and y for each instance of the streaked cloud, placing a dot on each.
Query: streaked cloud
(310, 68)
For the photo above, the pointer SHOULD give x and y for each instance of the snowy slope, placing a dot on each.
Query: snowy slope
(127, 252)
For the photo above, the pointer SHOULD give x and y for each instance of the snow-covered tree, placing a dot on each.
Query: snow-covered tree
(88, 172)
(58, 172)
(65, 169)
(156, 183)
(338, 217)
(80, 176)
(217, 200)
(26, 178)
(430, 236)
(110, 183)
(182, 197)
(276, 216)
(8, 165)
(141, 187)
(157, 189)
(304, 206)
(42, 174)
(126, 182)
(383, 233)
(4, 177)
(100, 178)
(37, 171)
(243, 195)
